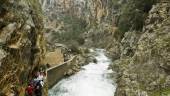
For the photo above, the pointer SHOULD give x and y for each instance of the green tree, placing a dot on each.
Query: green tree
(133, 14)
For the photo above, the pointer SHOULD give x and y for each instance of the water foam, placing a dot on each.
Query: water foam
(93, 81)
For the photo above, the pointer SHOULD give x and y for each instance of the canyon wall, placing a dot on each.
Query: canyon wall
(143, 66)
(136, 34)
(22, 44)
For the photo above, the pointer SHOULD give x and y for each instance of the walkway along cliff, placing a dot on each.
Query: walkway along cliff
(58, 72)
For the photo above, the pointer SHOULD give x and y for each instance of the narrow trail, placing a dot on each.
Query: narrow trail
(94, 80)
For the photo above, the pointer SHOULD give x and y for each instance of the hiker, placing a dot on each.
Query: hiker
(30, 90)
(35, 81)
(37, 74)
(42, 83)
(40, 76)
(38, 89)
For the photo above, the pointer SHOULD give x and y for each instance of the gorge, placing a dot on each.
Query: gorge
(39, 34)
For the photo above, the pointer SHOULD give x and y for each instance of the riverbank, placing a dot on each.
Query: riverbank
(69, 68)
(82, 59)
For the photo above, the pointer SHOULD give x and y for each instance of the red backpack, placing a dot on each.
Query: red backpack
(30, 90)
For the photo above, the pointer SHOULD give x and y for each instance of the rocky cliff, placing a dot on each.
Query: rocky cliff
(143, 67)
(22, 43)
(135, 32)
(67, 20)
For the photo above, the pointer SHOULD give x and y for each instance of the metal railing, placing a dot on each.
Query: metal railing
(58, 65)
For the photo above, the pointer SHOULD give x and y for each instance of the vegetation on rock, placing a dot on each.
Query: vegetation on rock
(135, 32)
(21, 33)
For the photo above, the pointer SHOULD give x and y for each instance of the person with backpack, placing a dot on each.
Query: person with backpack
(30, 90)
(38, 89)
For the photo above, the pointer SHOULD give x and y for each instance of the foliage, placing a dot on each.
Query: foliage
(161, 92)
(74, 48)
(80, 40)
(73, 28)
(133, 14)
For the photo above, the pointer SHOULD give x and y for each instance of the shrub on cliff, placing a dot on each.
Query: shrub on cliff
(74, 48)
(74, 27)
(133, 14)
(80, 40)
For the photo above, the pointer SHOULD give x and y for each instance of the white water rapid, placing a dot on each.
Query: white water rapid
(94, 80)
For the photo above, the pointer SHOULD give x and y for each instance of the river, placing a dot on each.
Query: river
(94, 80)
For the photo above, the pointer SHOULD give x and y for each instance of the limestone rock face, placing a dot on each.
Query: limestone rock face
(59, 14)
(21, 43)
(88, 10)
(143, 67)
